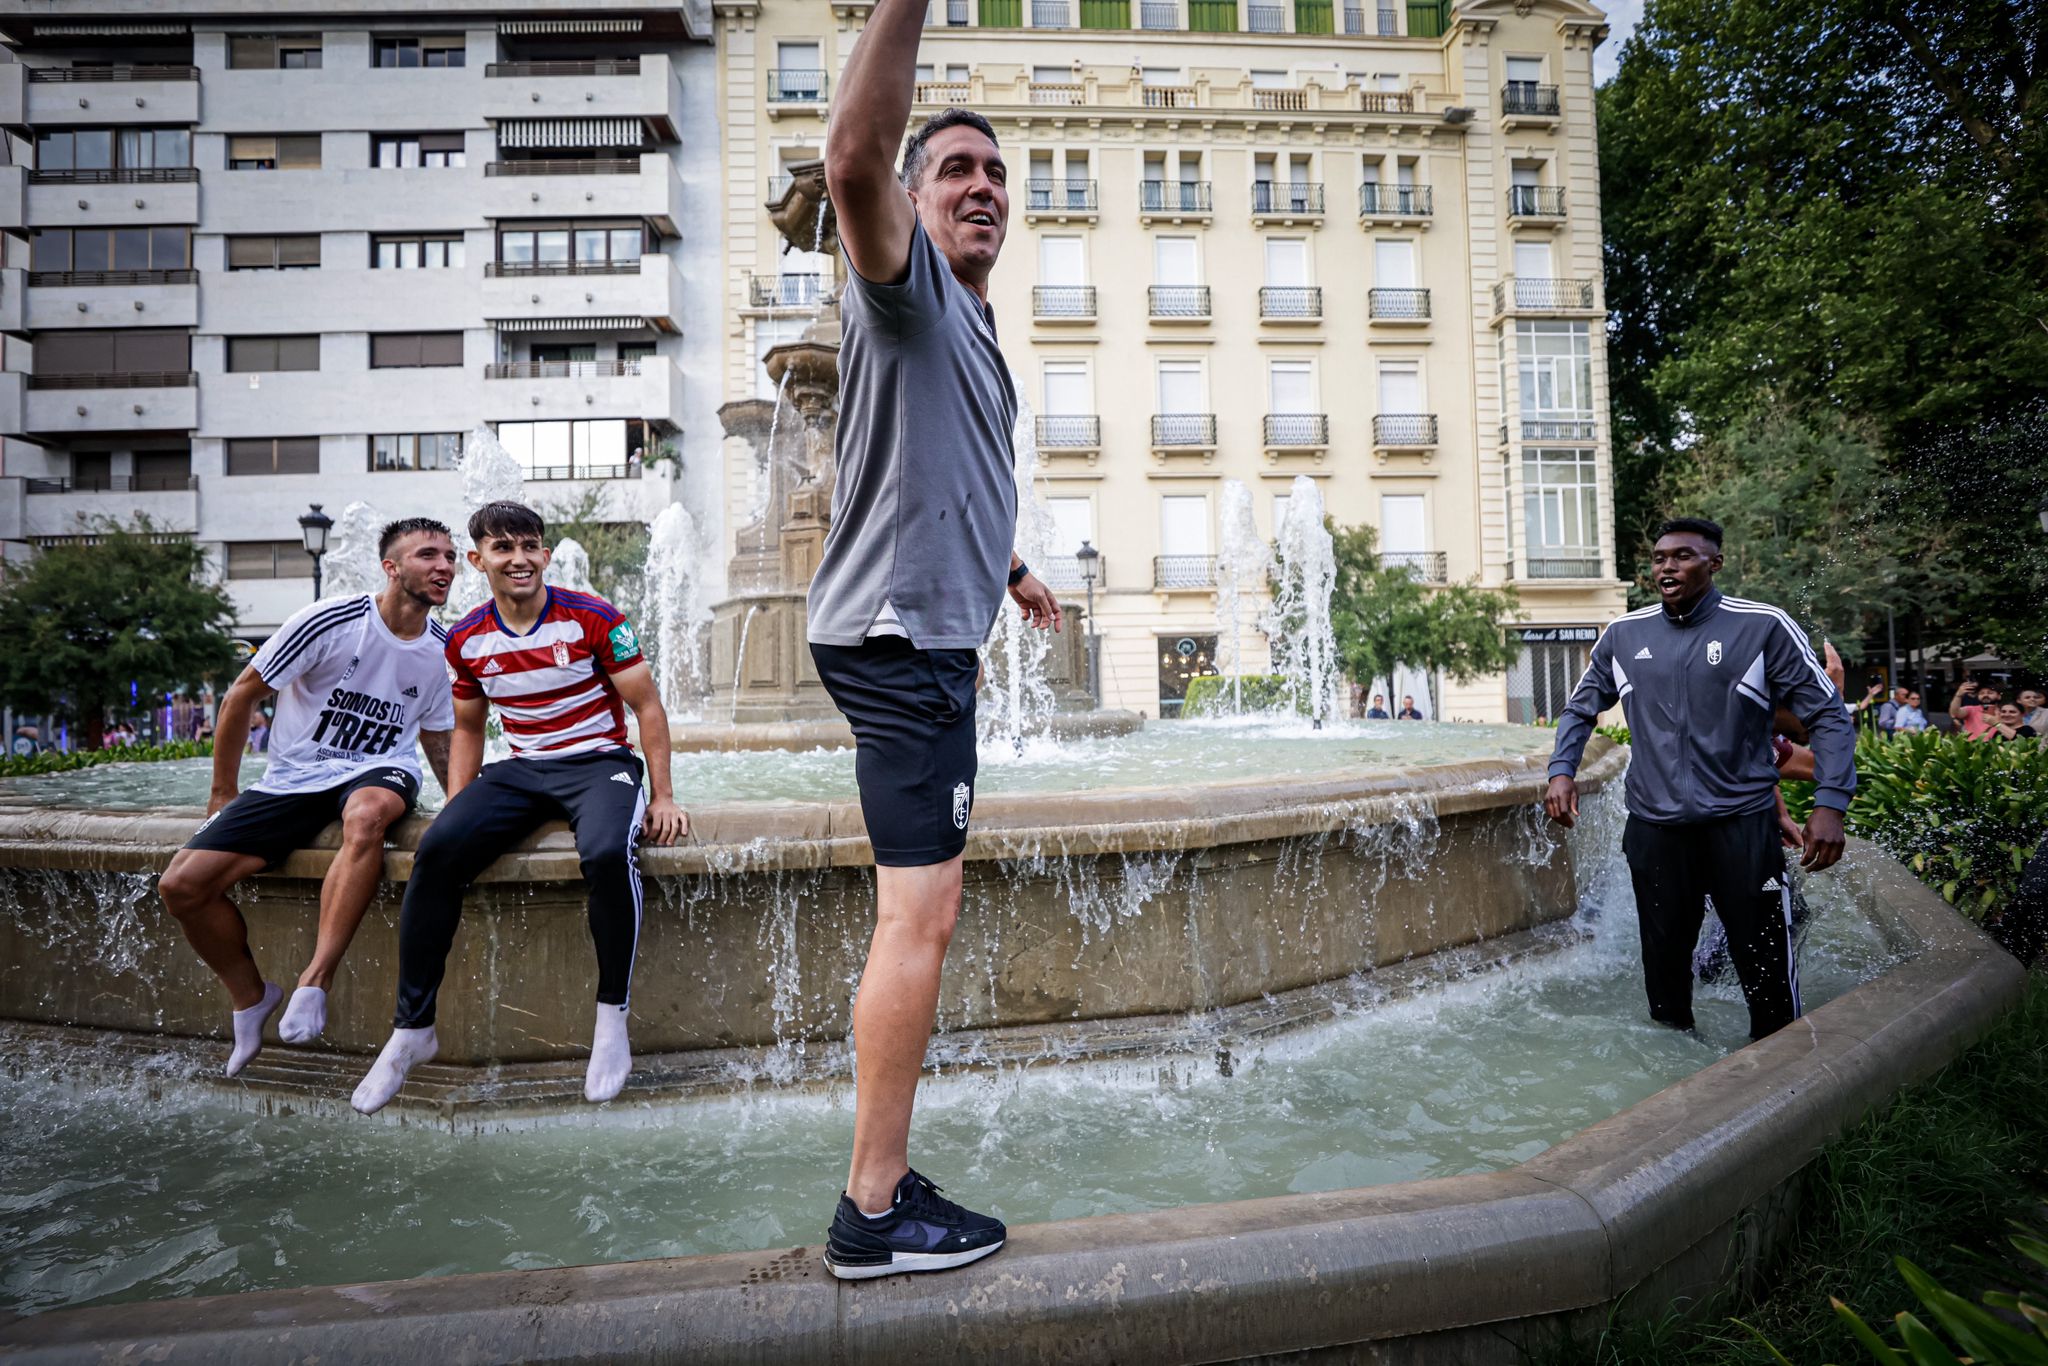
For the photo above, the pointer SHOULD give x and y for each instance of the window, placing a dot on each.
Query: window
(293, 52)
(1180, 387)
(799, 72)
(268, 560)
(1176, 261)
(1286, 263)
(1532, 260)
(1293, 387)
(297, 252)
(1067, 390)
(1525, 71)
(1404, 531)
(417, 149)
(416, 451)
(1183, 524)
(1400, 388)
(300, 152)
(1061, 262)
(1560, 507)
(108, 149)
(87, 250)
(1556, 364)
(637, 351)
(417, 52)
(589, 244)
(1393, 263)
(605, 448)
(405, 350)
(416, 252)
(114, 351)
(1554, 659)
(274, 455)
(247, 354)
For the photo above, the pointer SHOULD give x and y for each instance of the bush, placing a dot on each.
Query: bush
(1963, 814)
(57, 761)
(1213, 695)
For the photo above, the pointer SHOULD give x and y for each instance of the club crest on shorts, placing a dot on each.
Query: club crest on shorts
(1713, 652)
(561, 654)
(961, 798)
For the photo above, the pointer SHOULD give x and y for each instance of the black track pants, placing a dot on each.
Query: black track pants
(1740, 863)
(601, 798)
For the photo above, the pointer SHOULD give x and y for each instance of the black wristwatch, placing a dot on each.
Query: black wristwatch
(1017, 574)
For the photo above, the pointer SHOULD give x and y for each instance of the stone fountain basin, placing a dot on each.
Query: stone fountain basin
(1669, 1199)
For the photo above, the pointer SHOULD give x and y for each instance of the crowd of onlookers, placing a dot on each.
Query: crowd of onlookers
(1977, 711)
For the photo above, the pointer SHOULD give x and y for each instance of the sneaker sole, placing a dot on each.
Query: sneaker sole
(905, 1262)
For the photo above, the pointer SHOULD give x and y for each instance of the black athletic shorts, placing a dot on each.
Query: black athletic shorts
(272, 824)
(912, 713)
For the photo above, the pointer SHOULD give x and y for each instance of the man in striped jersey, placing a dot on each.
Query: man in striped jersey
(1699, 676)
(562, 668)
(360, 688)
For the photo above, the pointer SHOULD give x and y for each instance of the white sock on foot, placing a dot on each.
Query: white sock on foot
(305, 1017)
(249, 1027)
(611, 1057)
(405, 1049)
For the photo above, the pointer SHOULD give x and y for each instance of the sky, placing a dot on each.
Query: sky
(1622, 17)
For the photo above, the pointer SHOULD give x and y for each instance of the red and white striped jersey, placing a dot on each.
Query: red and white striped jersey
(552, 686)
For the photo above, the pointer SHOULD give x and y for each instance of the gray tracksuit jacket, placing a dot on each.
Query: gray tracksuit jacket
(1699, 692)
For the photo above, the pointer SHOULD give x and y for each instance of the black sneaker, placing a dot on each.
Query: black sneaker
(923, 1231)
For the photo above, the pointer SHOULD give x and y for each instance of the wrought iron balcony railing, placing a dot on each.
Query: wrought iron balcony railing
(1184, 429)
(1290, 301)
(1552, 563)
(1069, 431)
(1266, 18)
(1063, 301)
(1404, 429)
(1171, 196)
(1268, 197)
(1536, 201)
(1538, 294)
(796, 87)
(1297, 431)
(1158, 14)
(1055, 196)
(1397, 305)
(1569, 429)
(1064, 573)
(1183, 571)
(1395, 201)
(1525, 99)
(1179, 301)
(1430, 566)
(629, 470)
(785, 291)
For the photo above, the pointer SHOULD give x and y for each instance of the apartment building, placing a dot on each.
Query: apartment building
(1358, 241)
(258, 257)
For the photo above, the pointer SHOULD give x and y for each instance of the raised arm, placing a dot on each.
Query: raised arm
(231, 735)
(869, 116)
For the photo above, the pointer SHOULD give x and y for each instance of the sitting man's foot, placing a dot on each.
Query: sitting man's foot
(305, 1018)
(920, 1231)
(248, 1027)
(611, 1056)
(405, 1049)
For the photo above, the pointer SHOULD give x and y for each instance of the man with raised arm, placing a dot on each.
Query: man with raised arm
(562, 668)
(911, 578)
(360, 689)
(1699, 676)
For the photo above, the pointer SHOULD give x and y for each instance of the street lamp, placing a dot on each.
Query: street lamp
(1090, 560)
(314, 527)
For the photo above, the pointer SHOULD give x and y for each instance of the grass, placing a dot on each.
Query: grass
(1936, 1176)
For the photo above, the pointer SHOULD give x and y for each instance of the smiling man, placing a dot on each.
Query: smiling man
(360, 689)
(912, 575)
(1699, 677)
(562, 668)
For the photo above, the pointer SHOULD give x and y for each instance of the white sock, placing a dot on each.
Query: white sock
(405, 1049)
(305, 1017)
(611, 1057)
(249, 1027)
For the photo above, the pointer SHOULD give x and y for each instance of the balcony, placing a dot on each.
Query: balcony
(106, 199)
(1386, 101)
(1051, 14)
(1168, 96)
(640, 88)
(1184, 431)
(1578, 431)
(1061, 200)
(1063, 303)
(1174, 201)
(114, 483)
(1381, 21)
(57, 279)
(1535, 206)
(795, 88)
(134, 379)
(13, 408)
(1532, 295)
(1179, 303)
(1428, 566)
(1064, 573)
(1266, 18)
(134, 94)
(1161, 15)
(1392, 205)
(641, 291)
(540, 391)
(1525, 102)
(1396, 307)
(112, 298)
(13, 197)
(1286, 203)
(561, 369)
(66, 505)
(645, 186)
(778, 186)
(1170, 572)
(1069, 432)
(1297, 431)
(13, 299)
(148, 401)
(1404, 431)
(947, 94)
(786, 291)
(585, 470)
(1553, 563)
(1057, 94)
(1290, 303)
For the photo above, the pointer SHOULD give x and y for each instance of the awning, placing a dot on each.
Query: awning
(569, 324)
(569, 26)
(531, 133)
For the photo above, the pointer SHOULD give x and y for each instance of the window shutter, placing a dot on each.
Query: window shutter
(299, 251)
(249, 457)
(298, 455)
(298, 353)
(441, 142)
(299, 153)
(247, 354)
(392, 349)
(251, 253)
(252, 54)
(74, 353)
(252, 149)
(441, 348)
(139, 350)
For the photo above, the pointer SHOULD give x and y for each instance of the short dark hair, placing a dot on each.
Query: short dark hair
(406, 526)
(505, 518)
(914, 150)
(1695, 526)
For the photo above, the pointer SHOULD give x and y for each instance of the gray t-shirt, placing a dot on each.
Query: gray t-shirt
(925, 511)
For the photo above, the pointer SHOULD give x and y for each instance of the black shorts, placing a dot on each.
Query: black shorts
(269, 825)
(912, 713)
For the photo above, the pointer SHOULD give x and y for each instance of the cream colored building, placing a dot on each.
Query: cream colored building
(1370, 256)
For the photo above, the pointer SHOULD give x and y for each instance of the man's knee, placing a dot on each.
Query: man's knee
(607, 863)
(189, 884)
(364, 821)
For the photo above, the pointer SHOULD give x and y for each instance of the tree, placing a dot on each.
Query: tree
(1385, 617)
(617, 550)
(84, 627)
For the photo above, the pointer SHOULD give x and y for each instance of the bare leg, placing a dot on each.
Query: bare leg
(892, 1019)
(351, 879)
(194, 890)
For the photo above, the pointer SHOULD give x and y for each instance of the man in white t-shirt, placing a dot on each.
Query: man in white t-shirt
(361, 687)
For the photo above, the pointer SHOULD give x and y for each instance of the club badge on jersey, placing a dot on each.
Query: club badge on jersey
(561, 654)
(1713, 652)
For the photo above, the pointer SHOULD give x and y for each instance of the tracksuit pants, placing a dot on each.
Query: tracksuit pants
(1739, 863)
(598, 794)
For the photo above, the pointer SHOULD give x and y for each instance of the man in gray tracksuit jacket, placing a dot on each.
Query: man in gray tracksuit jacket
(1699, 676)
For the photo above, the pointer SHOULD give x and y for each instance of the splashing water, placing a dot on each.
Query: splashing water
(1298, 620)
(1021, 699)
(489, 475)
(353, 564)
(570, 566)
(675, 610)
(1244, 565)
(739, 660)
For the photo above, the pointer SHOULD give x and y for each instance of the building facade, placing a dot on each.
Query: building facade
(251, 262)
(1253, 241)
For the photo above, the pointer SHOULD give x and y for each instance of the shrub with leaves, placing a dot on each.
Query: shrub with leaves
(1217, 695)
(59, 761)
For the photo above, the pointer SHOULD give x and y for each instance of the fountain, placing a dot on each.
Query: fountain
(1298, 619)
(353, 564)
(1243, 566)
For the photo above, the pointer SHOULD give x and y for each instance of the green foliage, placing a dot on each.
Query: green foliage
(1214, 695)
(58, 761)
(81, 624)
(1384, 617)
(1963, 814)
(617, 550)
